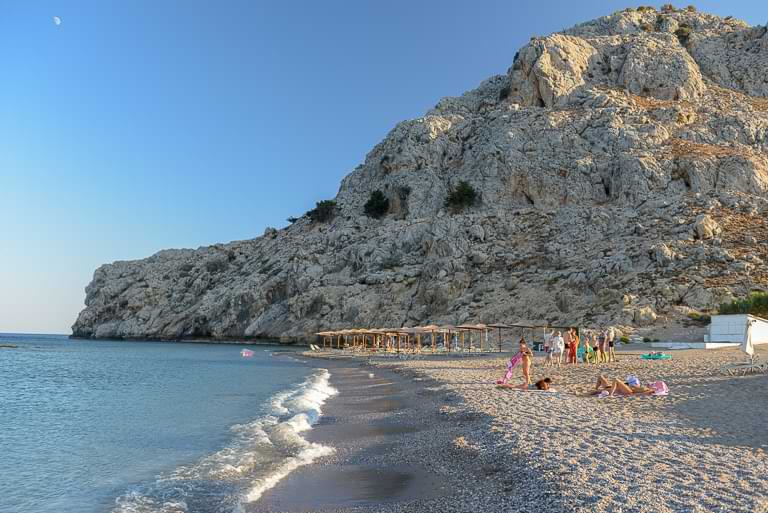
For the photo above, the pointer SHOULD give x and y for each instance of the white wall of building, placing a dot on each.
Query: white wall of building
(730, 328)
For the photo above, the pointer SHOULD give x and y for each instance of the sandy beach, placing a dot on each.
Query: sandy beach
(463, 445)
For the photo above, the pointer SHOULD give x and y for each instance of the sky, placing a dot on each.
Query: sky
(148, 124)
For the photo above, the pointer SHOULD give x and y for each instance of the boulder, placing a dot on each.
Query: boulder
(644, 316)
(659, 67)
(705, 227)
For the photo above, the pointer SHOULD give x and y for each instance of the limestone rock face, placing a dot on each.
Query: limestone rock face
(552, 68)
(621, 171)
(658, 67)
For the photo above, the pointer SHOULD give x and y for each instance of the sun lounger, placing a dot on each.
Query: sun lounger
(749, 366)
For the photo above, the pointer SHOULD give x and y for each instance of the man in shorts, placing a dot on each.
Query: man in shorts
(602, 345)
(611, 344)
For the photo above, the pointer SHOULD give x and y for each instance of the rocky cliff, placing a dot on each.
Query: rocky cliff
(622, 175)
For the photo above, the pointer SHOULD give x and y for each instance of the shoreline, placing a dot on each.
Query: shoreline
(403, 443)
(700, 449)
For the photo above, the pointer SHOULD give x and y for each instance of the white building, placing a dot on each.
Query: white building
(731, 328)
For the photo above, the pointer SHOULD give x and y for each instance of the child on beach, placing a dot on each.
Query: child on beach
(558, 346)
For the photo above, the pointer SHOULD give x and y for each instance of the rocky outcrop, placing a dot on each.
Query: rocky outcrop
(706, 227)
(621, 172)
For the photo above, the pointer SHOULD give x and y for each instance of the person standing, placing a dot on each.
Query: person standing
(548, 348)
(581, 352)
(601, 344)
(558, 346)
(527, 360)
(596, 345)
(574, 347)
(611, 344)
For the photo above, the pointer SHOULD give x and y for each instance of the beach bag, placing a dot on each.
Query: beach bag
(659, 387)
(513, 362)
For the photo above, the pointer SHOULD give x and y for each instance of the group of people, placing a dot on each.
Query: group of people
(603, 388)
(589, 347)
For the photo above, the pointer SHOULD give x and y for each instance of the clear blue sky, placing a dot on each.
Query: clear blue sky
(141, 125)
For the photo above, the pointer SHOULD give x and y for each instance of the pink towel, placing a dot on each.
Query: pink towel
(660, 388)
(513, 362)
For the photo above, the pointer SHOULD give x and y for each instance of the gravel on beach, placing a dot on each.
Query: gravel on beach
(700, 449)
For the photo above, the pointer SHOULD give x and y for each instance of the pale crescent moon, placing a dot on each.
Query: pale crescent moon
(56, 21)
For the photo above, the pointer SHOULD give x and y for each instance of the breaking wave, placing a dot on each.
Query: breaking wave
(261, 453)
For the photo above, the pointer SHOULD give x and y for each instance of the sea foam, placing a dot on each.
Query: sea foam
(261, 453)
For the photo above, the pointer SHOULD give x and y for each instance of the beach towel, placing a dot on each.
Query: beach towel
(660, 388)
(513, 362)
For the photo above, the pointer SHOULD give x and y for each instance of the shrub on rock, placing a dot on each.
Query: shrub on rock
(377, 205)
(683, 34)
(323, 212)
(461, 197)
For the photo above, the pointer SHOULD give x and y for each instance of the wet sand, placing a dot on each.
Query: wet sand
(395, 451)
(363, 422)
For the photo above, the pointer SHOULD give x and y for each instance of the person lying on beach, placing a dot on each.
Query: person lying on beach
(541, 385)
(617, 387)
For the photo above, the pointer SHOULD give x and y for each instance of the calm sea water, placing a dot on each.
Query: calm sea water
(140, 427)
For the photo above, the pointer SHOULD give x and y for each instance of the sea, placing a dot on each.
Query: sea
(99, 426)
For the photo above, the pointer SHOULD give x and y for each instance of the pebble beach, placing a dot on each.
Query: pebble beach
(702, 448)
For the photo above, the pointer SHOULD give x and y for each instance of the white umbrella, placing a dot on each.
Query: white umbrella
(747, 346)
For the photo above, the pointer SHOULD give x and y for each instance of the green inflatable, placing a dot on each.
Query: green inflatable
(656, 356)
